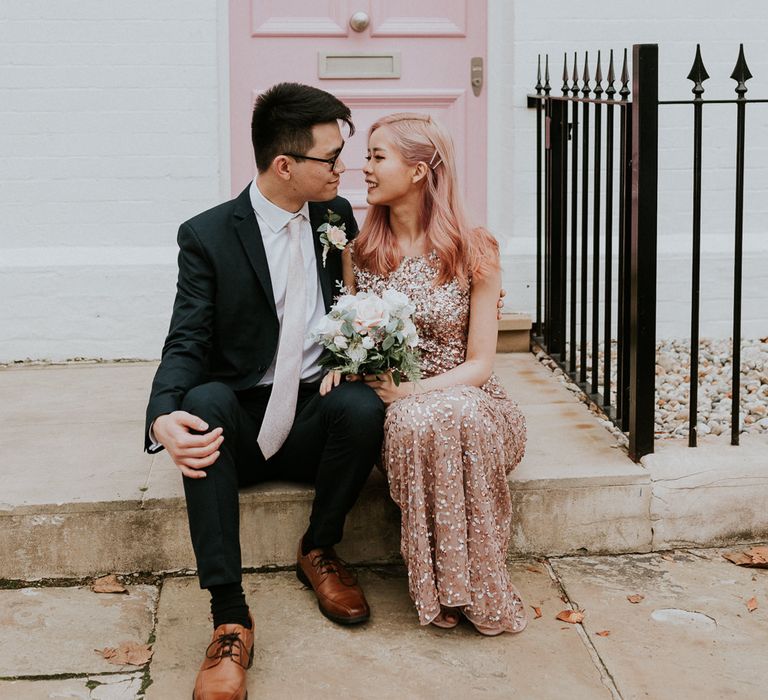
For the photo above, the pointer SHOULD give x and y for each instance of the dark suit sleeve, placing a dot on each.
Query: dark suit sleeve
(349, 217)
(185, 353)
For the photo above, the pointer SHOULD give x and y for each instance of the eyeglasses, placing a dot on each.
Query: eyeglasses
(331, 161)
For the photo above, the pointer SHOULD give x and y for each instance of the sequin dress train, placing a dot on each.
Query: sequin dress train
(447, 454)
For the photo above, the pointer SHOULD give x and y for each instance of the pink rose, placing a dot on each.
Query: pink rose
(336, 237)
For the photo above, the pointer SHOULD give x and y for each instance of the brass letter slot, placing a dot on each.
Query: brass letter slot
(355, 64)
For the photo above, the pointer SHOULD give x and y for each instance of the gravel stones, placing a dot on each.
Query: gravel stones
(673, 363)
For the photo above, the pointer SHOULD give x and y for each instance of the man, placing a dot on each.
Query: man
(235, 399)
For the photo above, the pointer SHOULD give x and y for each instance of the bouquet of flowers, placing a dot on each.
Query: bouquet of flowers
(368, 334)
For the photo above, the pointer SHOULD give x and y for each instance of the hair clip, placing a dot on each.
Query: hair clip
(432, 164)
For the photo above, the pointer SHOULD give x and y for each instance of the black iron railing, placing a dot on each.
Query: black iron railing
(571, 320)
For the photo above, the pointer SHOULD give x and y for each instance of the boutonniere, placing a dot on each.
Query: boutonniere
(331, 235)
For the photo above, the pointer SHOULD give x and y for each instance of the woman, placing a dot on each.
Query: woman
(452, 437)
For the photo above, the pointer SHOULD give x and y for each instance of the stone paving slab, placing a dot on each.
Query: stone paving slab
(104, 687)
(691, 636)
(299, 654)
(49, 631)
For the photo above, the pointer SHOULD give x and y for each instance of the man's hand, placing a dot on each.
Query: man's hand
(190, 453)
(500, 303)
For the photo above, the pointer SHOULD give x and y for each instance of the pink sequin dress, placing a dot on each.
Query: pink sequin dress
(447, 454)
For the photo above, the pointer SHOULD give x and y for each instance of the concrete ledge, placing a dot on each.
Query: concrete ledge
(153, 536)
(713, 494)
(81, 497)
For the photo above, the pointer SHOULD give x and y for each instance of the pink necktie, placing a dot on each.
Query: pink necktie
(281, 408)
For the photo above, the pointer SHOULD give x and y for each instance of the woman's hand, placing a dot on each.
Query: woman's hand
(386, 389)
(500, 304)
(330, 380)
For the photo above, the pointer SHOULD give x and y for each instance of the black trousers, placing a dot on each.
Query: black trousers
(333, 444)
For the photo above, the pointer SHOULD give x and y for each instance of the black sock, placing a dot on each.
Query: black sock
(307, 545)
(228, 605)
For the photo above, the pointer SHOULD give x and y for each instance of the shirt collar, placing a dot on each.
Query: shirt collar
(275, 217)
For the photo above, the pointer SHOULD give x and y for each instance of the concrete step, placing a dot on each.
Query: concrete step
(81, 497)
(514, 333)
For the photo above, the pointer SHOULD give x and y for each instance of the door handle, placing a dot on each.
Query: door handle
(359, 21)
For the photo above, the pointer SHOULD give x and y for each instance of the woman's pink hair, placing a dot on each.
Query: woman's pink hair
(464, 251)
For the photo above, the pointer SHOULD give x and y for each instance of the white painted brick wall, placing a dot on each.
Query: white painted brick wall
(113, 129)
(109, 134)
(519, 31)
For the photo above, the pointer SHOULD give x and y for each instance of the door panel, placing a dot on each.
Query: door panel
(299, 18)
(368, 105)
(281, 40)
(426, 18)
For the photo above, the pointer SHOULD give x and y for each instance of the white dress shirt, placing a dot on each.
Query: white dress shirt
(273, 224)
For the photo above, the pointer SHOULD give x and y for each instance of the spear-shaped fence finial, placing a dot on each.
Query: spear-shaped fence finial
(598, 78)
(539, 86)
(611, 90)
(624, 91)
(547, 86)
(575, 86)
(565, 75)
(585, 89)
(741, 74)
(698, 74)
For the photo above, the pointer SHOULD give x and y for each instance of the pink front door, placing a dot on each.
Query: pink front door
(420, 52)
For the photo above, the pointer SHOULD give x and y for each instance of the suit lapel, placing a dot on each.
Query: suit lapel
(316, 218)
(248, 232)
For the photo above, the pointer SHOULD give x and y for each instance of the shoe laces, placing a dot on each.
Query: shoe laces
(227, 645)
(327, 562)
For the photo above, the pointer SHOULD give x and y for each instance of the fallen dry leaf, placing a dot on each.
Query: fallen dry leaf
(572, 616)
(533, 570)
(603, 633)
(752, 604)
(754, 557)
(667, 557)
(636, 598)
(108, 584)
(131, 653)
(536, 612)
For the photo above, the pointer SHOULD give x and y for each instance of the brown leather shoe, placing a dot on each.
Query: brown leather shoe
(339, 597)
(227, 658)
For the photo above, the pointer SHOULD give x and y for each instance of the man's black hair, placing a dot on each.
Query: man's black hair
(284, 115)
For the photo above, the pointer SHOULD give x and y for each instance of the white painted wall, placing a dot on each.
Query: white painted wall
(109, 134)
(520, 30)
(114, 128)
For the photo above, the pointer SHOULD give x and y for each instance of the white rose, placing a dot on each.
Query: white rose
(357, 354)
(340, 342)
(326, 328)
(344, 303)
(395, 301)
(371, 313)
(368, 342)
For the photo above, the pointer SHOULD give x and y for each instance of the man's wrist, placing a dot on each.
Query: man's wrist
(154, 443)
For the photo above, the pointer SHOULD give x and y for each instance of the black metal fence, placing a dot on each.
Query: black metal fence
(572, 321)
